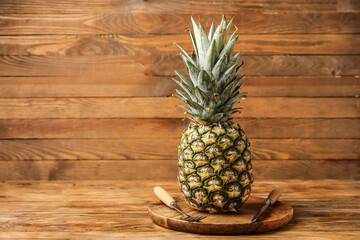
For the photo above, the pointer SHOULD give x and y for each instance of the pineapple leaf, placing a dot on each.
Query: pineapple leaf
(237, 109)
(186, 88)
(195, 106)
(180, 97)
(233, 35)
(213, 85)
(236, 81)
(182, 94)
(215, 100)
(201, 96)
(203, 80)
(188, 110)
(201, 121)
(219, 66)
(185, 79)
(220, 34)
(216, 117)
(235, 99)
(193, 56)
(211, 32)
(229, 26)
(185, 62)
(227, 92)
(235, 92)
(224, 66)
(203, 45)
(225, 108)
(228, 76)
(196, 32)
(194, 44)
(242, 84)
(239, 86)
(211, 56)
(235, 59)
(193, 71)
(186, 55)
(238, 69)
(229, 48)
(224, 119)
(228, 114)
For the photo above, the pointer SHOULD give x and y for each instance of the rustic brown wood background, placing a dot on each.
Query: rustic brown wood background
(86, 92)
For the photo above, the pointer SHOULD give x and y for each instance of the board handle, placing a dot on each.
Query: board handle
(164, 196)
(275, 195)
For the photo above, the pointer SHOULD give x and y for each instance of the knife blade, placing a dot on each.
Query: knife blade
(274, 195)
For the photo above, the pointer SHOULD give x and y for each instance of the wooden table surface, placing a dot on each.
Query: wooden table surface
(326, 209)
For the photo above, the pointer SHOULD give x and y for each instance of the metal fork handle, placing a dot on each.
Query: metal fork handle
(177, 208)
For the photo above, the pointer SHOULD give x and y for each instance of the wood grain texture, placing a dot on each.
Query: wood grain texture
(166, 170)
(174, 22)
(273, 128)
(96, 234)
(118, 209)
(124, 85)
(135, 45)
(311, 190)
(163, 149)
(174, 6)
(160, 65)
(156, 86)
(21, 108)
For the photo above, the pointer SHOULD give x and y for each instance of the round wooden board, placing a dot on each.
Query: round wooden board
(276, 216)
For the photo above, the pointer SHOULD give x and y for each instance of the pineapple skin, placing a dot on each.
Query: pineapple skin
(215, 167)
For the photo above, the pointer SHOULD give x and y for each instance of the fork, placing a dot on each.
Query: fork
(165, 197)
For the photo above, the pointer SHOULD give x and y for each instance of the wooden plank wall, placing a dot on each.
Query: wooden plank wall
(86, 91)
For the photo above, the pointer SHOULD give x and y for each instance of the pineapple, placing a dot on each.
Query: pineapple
(214, 157)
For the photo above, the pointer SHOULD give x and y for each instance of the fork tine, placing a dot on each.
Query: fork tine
(201, 218)
(192, 219)
(195, 218)
(185, 218)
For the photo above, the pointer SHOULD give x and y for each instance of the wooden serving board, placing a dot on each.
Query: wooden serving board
(275, 217)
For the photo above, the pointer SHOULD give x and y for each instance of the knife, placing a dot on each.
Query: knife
(274, 195)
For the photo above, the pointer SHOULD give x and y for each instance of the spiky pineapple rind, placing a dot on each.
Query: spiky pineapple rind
(214, 174)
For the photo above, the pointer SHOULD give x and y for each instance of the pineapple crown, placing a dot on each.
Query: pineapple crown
(213, 87)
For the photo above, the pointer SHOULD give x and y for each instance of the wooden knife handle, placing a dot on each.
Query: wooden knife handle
(164, 196)
(275, 194)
